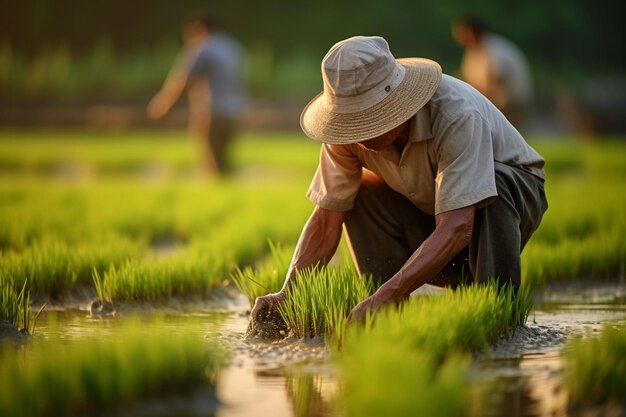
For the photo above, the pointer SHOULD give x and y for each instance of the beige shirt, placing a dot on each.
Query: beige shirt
(447, 164)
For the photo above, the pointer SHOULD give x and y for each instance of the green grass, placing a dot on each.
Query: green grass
(418, 357)
(219, 225)
(144, 361)
(582, 233)
(52, 268)
(52, 152)
(195, 270)
(322, 299)
(14, 303)
(267, 277)
(596, 368)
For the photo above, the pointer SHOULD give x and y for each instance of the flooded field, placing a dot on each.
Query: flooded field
(297, 378)
(123, 218)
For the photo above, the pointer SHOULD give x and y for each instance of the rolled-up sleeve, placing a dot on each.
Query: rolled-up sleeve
(465, 165)
(337, 179)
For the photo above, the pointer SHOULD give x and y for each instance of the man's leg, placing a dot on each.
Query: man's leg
(502, 229)
(221, 131)
(383, 229)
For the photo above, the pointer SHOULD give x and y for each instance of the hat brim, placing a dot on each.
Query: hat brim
(420, 82)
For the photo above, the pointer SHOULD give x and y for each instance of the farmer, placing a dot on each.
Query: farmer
(209, 68)
(495, 66)
(429, 181)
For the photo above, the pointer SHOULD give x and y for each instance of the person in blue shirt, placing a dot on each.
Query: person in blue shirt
(209, 68)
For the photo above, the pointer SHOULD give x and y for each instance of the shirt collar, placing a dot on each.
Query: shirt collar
(421, 126)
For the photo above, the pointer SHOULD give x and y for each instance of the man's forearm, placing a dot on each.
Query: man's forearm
(452, 234)
(318, 242)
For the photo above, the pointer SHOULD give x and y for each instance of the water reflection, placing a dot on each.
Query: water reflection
(249, 389)
(311, 395)
(526, 387)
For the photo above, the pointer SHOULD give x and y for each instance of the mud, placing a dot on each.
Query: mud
(99, 308)
(10, 334)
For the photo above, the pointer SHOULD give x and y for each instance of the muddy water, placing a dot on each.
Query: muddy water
(523, 374)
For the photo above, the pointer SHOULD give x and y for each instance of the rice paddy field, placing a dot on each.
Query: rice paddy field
(131, 277)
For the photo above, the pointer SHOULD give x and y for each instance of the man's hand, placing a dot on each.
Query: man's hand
(266, 305)
(158, 107)
(265, 320)
(371, 304)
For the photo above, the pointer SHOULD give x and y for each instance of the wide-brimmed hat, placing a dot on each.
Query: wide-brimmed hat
(367, 92)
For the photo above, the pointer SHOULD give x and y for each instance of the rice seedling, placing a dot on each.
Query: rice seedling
(582, 232)
(14, 303)
(56, 252)
(266, 278)
(26, 151)
(576, 155)
(101, 291)
(415, 359)
(580, 235)
(53, 268)
(320, 302)
(596, 368)
(143, 362)
(187, 272)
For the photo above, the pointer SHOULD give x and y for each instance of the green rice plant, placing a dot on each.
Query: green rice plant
(60, 252)
(15, 306)
(193, 271)
(398, 381)
(267, 277)
(57, 377)
(101, 291)
(581, 234)
(596, 368)
(53, 268)
(602, 157)
(130, 153)
(321, 300)
(415, 359)
(14, 303)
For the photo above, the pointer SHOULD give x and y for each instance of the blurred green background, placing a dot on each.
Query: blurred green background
(113, 52)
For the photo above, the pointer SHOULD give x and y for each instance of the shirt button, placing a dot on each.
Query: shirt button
(413, 195)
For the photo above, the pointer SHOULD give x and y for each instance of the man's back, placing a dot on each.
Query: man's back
(219, 60)
(511, 66)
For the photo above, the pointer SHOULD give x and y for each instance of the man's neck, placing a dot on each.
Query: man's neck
(403, 138)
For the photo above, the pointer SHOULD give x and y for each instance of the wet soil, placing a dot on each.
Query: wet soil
(10, 334)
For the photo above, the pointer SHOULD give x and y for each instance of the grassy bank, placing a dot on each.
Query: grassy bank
(142, 363)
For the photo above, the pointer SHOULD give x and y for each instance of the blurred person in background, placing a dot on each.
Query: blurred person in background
(209, 68)
(494, 66)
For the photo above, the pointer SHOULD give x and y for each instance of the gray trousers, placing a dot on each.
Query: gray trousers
(384, 228)
(215, 141)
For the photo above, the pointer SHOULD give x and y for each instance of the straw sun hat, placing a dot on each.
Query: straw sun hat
(367, 92)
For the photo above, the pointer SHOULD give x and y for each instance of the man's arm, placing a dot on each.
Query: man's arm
(171, 91)
(453, 231)
(317, 244)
